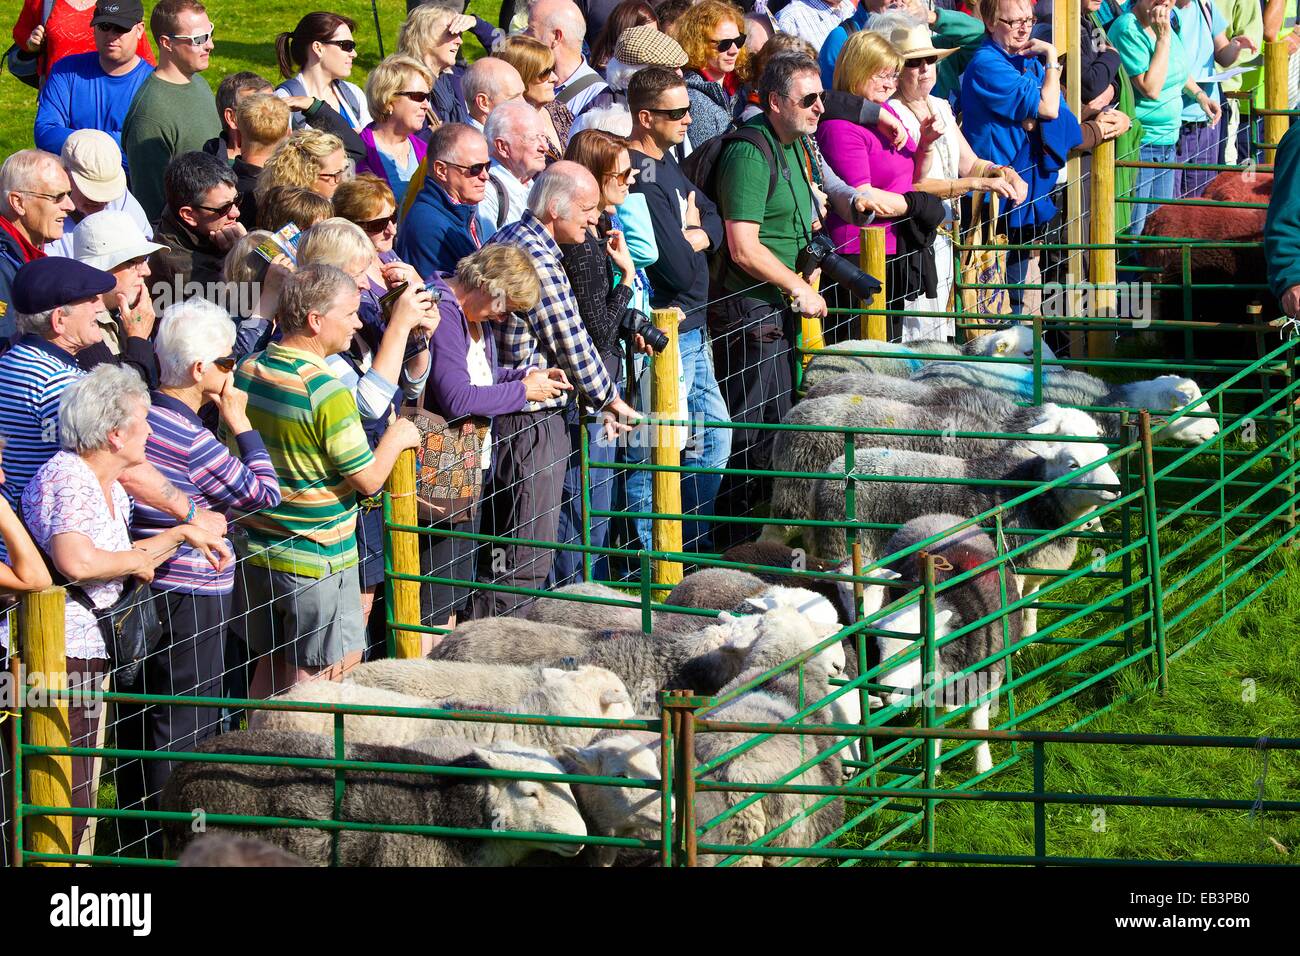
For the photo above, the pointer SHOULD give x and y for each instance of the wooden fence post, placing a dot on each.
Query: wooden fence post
(49, 777)
(1103, 261)
(872, 262)
(1276, 76)
(666, 447)
(405, 554)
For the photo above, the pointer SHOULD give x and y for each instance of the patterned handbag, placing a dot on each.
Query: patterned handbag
(983, 267)
(448, 466)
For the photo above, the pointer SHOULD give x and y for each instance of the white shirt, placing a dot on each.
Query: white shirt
(945, 155)
(480, 373)
(516, 201)
(813, 20)
(581, 101)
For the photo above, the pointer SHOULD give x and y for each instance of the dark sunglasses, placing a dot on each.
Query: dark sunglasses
(472, 171)
(922, 61)
(623, 177)
(415, 96)
(729, 43)
(372, 227)
(112, 28)
(223, 210)
(673, 114)
(808, 100)
(347, 46)
(226, 363)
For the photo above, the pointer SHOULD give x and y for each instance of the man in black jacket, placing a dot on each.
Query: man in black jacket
(686, 225)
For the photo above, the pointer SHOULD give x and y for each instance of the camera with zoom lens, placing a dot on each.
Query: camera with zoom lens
(633, 322)
(820, 253)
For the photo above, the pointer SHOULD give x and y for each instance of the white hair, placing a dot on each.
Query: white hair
(887, 21)
(619, 74)
(505, 122)
(39, 323)
(192, 331)
(614, 118)
(558, 188)
(105, 400)
(22, 172)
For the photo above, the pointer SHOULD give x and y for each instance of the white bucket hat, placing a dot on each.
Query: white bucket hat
(94, 162)
(109, 238)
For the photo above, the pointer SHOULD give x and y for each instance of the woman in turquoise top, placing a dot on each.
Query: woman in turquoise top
(1153, 55)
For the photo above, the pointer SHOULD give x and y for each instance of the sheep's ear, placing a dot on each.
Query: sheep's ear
(555, 673)
(613, 695)
(742, 637)
(943, 618)
(1043, 449)
(490, 758)
(581, 757)
(1049, 421)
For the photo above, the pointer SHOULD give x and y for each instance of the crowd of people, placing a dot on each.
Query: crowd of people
(226, 315)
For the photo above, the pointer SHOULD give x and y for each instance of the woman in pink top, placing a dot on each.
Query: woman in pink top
(869, 66)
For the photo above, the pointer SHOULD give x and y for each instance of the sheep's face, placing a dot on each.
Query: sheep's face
(1014, 342)
(809, 603)
(906, 677)
(1169, 393)
(1077, 460)
(1055, 420)
(532, 806)
(594, 691)
(873, 595)
(629, 810)
(782, 633)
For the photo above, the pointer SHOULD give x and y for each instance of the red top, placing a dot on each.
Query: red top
(67, 31)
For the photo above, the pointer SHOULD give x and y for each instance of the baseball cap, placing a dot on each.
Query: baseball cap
(53, 281)
(109, 238)
(120, 13)
(647, 46)
(94, 162)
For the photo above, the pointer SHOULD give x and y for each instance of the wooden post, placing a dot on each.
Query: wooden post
(667, 447)
(872, 259)
(1102, 230)
(405, 553)
(1276, 70)
(1066, 16)
(49, 778)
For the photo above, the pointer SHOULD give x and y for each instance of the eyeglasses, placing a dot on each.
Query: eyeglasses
(112, 28)
(921, 61)
(194, 39)
(335, 178)
(373, 227)
(54, 198)
(885, 77)
(415, 96)
(728, 43)
(226, 363)
(808, 100)
(472, 171)
(626, 176)
(673, 114)
(347, 46)
(1024, 23)
(222, 210)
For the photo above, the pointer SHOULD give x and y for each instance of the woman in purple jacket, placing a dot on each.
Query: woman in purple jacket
(465, 380)
(397, 92)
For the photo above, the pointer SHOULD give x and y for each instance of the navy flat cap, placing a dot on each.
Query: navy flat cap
(54, 281)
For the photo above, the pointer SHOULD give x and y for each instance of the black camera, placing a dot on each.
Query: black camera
(820, 253)
(633, 323)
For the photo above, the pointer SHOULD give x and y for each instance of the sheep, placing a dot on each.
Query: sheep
(512, 640)
(387, 797)
(718, 589)
(618, 811)
(908, 390)
(810, 451)
(586, 692)
(1164, 394)
(501, 685)
(225, 849)
(585, 615)
(904, 501)
(1013, 340)
(963, 603)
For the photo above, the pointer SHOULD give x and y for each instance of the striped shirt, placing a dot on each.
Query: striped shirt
(313, 433)
(191, 458)
(813, 20)
(551, 335)
(33, 375)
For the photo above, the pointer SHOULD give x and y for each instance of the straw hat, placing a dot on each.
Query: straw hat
(915, 42)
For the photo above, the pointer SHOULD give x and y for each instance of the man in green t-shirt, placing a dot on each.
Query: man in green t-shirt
(174, 110)
(767, 225)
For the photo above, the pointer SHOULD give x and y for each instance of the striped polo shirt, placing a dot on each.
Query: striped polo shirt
(33, 375)
(191, 458)
(313, 432)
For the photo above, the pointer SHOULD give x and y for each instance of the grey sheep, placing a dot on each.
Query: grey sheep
(501, 685)
(914, 392)
(586, 692)
(1162, 394)
(584, 615)
(1015, 340)
(376, 797)
(718, 589)
(512, 640)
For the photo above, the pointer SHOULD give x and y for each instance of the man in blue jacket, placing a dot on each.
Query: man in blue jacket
(94, 90)
(441, 226)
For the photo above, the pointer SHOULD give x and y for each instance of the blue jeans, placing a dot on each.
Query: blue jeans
(706, 447)
(567, 568)
(1152, 183)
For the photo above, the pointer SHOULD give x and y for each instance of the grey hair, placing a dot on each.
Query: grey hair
(555, 186)
(618, 74)
(778, 76)
(614, 119)
(39, 323)
(22, 172)
(312, 288)
(505, 122)
(887, 21)
(192, 331)
(98, 403)
(446, 140)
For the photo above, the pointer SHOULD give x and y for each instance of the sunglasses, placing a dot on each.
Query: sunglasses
(473, 171)
(112, 28)
(922, 61)
(347, 46)
(673, 114)
(623, 178)
(222, 210)
(226, 363)
(373, 227)
(194, 39)
(808, 100)
(55, 198)
(728, 43)
(415, 96)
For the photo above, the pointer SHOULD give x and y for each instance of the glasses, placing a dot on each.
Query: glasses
(624, 178)
(1024, 23)
(335, 178)
(112, 28)
(222, 210)
(55, 198)
(415, 96)
(226, 363)
(921, 61)
(728, 43)
(347, 46)
(885, 77)
(194, 39)
(373, 227)
(673, 114)
(808, 100)
(473, 171)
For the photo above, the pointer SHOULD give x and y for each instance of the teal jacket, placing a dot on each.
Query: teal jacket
(1282, 224)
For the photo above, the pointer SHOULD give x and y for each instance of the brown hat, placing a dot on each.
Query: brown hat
(647, 46)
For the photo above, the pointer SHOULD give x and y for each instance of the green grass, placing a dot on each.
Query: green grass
(245, 40)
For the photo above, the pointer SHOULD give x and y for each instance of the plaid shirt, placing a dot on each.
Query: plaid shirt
(551, 335)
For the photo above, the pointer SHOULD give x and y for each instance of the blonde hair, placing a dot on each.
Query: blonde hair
(298, 160)
(390, 77)
(862, 57)
(335, 242)
(235, 268)
(502, 269)
(987, 10)
(422, 29)
(262, 119)
(530, 57)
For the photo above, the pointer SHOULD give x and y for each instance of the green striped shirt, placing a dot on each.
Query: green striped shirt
(309, 422)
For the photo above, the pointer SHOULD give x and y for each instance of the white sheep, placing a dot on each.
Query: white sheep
(500, 685)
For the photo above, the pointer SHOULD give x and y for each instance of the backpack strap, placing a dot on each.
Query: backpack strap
(567, 95)
(754, 136)
(503, 201)
(348, 97)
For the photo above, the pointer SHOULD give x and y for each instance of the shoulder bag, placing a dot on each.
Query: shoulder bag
(448, 466)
